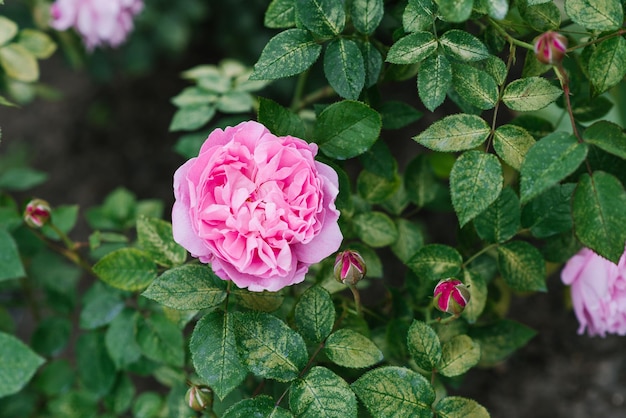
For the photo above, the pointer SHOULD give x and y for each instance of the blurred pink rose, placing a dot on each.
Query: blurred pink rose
(99, 22)
(598, 292)
(258, 207)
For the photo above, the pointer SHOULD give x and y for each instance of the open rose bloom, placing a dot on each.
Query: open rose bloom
(598, 292)
(99, 22)
(257, 207)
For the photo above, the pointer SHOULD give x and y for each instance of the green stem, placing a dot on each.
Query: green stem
(478, 254)
(509, 38)
(357, 300)
(597, 40)
(562, 75)
(299, 91)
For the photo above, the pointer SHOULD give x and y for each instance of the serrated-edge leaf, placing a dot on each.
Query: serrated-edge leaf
(607, 136)
(412, 48)
(261, 406)
(458, 355)
(463, 46)
(315, 314)
(325, 18)
(322, 394)
(126, 269)
(344, 68)
(418, 15)
(476, 86)
(375, 228)
(11, 266)
(155, 237)
(459, 407)
(434, 79)
(161, 340)
(530, 93)
(436, 261)
(478, 291)
(522, 266)
(607, 64)
(455, 133)
(348, 348)
(501, 220)
(280, 14)
(366, 15)
(19, 63)
(424, 345)
(18, 364)
(593, 14)
(512, 142)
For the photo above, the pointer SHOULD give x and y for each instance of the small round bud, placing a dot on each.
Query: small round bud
(349, 267)
(550, 47)
(451, 296)
(199, 398)
(37, 213)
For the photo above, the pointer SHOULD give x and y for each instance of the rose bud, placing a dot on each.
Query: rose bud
(199, 398)
(550, 47)
(451, 296)
(37, 213)
(349, 267)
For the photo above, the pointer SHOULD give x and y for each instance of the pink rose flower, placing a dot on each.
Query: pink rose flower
(257, 207)
(598, 292)
(99, 22)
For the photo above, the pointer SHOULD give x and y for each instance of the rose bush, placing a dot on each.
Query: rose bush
(258, 207)
(598, 289)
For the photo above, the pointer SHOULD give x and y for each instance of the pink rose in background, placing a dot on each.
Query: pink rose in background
(598, 292)
(99, 22)
(258, 207)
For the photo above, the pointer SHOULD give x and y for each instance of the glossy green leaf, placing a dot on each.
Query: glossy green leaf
(410, 239)
(599, 218)
(346, 129)
(434, 80)
(155, 238)
(596, 14)
(522, 266)
(412, 48)
(375, 229)
(18, 364)
(499, 340)
(512, 142)
(530, 93)
(259, 301)
(607, 136)
(325, 18)
(550, 213)
(458, 355)
(37, 43)
(187, 287)
(607, 64)
(322, 394)
(344, 68)
(501, 220)
(280, 14)
(19, 63)
(475, 183)
(161, 340)
(463, 46)
(190, 118)
(258, 407)
(10, 262)
(373, 62)
(419, 180)
(455, 10)
(279, 120)
(348, 348)
(95, 368)
(376, 189)
(8, 30)
(478, 295)
(541, 17)
(475, 86)
(120, 339)
(366, 15)
(418, 15)
(397, 115)
(549, 161)
(436, 262)
(286, 54)
(214, 353)
(424, 345)
(268, 347)
(395, 392)
(455, 133)
(315, 314)
(101, 304)
(591, 108)
(126, 269)
(459, 407)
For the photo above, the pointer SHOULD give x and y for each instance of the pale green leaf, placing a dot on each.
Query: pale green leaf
(161, 340)
(375, 229)
(18, 364)
(418, 15)
(412, 48)
(10, 262)
(522, 266)
(258, 407)
(348, 348)
(315, 314)
(410, 239)
(607, 64)
(475, 86)
(478, 295)
(19, 63)
(463, 46)
(322, 394)
(434, 80)
(596, 14)
(155, 238)
(424, 345)
(190, 118)
(455, 10)
(459, 407)
(37, 43)
(325, 18)
(8, 30)
(530, 93)
(126, 269)
(607, 136)
(455, 133)
(436, 262)
(280, 14)
(512, 142)
(458, 355)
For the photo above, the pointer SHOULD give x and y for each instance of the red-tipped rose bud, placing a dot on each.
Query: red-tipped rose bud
(451, 296)
(199, 398)
(550, 47)
(349, 267)
(37, 213)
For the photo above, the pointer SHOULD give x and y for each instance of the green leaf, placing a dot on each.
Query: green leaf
(101, 304)
(434, 80)
(95, 368)
(55, 378)
(348, 348)
(541, 17)
(463, 46)
(325, 18)
(190, 118)
(412, 48)
(591, 109)
(161, 340)
(366, 15)
(18, 364)
(155, 238)
(608, 137)
(424, 346)
(501, 220)
(596, 14)
(187, 287)
(322, 394)
(51, 336)
(499, 340)
(475, 183)
(599, 218)
(550, 213)
(410, 239)
(550, 160)
(259, 301)
(147, 405)
(455, 10)
(397, 115)
(607, 64)
(419, 181)
(458, 355)
(373, 62)
(512, 142)
(19, 63)
(478, 291)
(395, 392)
(280, 121)
(126, 269)
(458, 407)
(435, 262)
(10, 262)
(346, 129)
(530, 93)
(455, 133)
(235, 102)
(21, 178)
(280, 14)
(315, 314)
(375, 229)
(418, 15)
(214, 353)
(376, 189)
(344, 68)
(268, 347)
(37, 43)
(259, 407)
(497, 8)
(74, 404)
(286, 54)
(64, 218)
(475, 86)
(522, 266)
(120, 339)
(8, 30)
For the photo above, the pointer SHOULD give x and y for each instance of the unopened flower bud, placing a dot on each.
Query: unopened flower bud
(37, 213)
(550, 47)
(451, 296)
(349, 267)
(199, 398)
